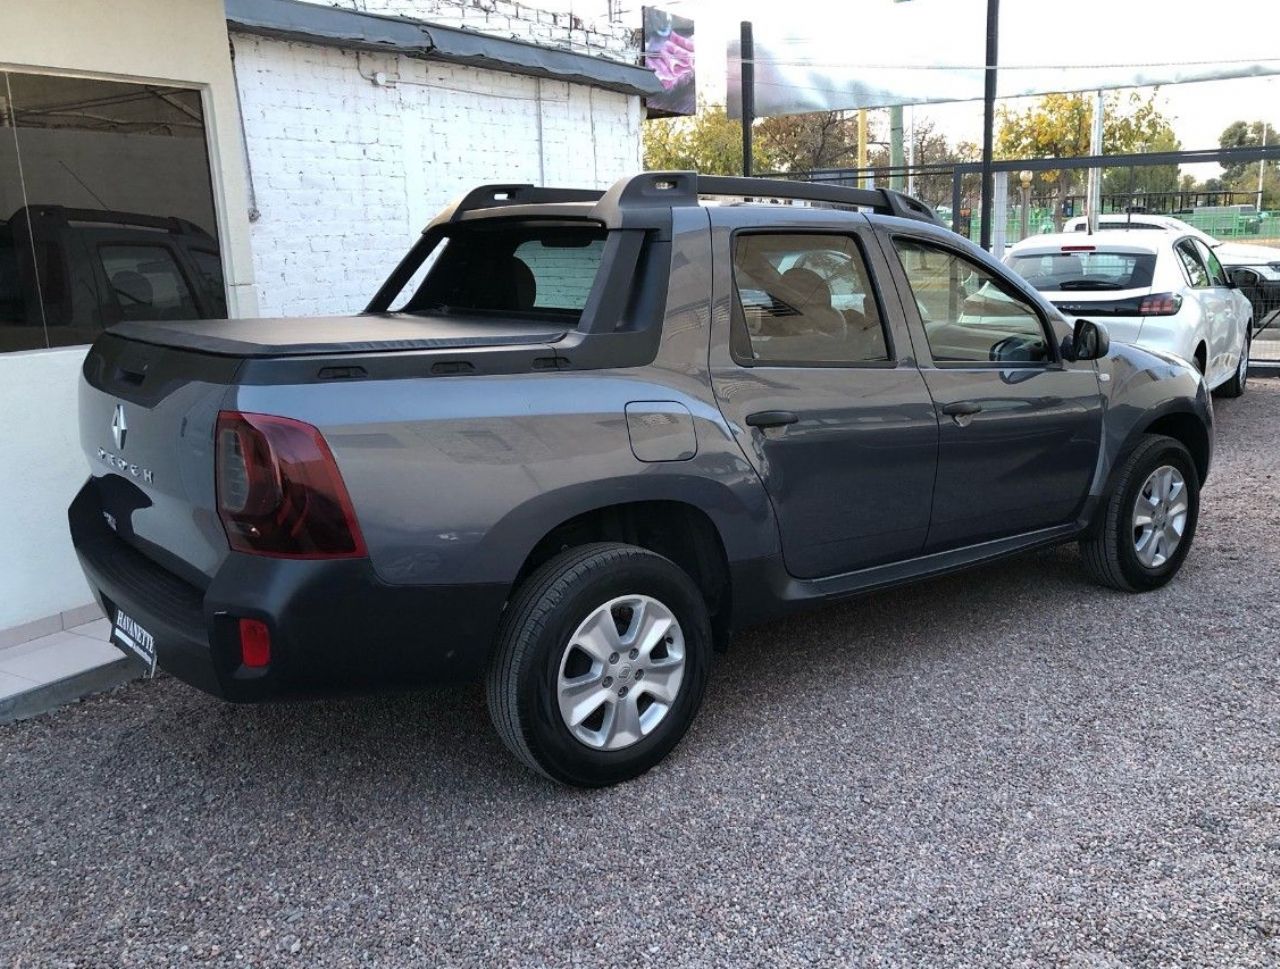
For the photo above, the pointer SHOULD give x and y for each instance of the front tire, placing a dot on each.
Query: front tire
(600, 664)
(1147, 523)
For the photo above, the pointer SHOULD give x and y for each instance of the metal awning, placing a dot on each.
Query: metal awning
(335, 27)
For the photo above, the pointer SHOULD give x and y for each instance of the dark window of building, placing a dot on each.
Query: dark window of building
(106, 209)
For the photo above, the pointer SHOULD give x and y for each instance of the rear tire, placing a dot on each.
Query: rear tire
(1236, 385)
(1142, 534)
(600, 664)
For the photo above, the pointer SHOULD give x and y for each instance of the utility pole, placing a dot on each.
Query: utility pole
(896, 160)
(862, 147)
(748, 93)
(989, 115)
(1094, 205)
(1262, 167)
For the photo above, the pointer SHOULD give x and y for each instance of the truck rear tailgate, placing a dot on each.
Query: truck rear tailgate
(147, 416)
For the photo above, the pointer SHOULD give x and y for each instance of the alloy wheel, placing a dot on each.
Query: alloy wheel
(621, 672)
(1160, 516)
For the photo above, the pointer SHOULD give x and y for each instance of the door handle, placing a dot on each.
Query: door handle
(962, 408)
(771, 418)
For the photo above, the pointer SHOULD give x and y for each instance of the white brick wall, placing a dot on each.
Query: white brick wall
(347, 172)
(508, 18)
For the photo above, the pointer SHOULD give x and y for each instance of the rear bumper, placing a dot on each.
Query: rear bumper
(335, 627)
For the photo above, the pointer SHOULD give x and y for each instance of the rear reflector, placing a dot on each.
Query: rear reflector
(1160, 304)
(255, 643)
(279, 490)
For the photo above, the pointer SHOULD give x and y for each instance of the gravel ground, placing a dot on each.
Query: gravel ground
(1009, 767)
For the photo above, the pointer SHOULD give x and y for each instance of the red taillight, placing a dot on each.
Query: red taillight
(279, 490)
(1160, 304)
(255, 643)
(1079, 248)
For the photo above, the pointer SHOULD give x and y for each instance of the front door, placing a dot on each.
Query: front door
(812, 367)
(1020, 428)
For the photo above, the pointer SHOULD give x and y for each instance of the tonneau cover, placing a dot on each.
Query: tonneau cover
(307, 336)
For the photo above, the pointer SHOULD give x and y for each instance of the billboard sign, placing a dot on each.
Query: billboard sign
(668, 52)
(879, 53)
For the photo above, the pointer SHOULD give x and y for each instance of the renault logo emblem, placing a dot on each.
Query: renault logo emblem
(118, 427)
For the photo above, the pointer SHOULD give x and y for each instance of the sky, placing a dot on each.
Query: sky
(1198, 111)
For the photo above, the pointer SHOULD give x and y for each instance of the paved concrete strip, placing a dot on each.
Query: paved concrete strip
(45, 673)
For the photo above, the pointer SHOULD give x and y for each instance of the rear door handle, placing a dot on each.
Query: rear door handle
(962, 408)
(771, 418)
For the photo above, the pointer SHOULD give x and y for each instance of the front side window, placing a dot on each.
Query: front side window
(806, 299)
(147, 284)
(1197, 275)
(967, 314)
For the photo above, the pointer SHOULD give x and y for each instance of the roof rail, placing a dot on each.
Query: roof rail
(495, 196)
(663, 190)
(653, 189)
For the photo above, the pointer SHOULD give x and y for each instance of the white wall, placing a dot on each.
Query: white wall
(346, 172)
(584, 28)
(43, 468)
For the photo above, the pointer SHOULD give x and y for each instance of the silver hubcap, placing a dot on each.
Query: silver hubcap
(1160, 516)
(621, 672)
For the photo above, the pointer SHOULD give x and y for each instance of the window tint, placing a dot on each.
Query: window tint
(967, 316)
(146, 283)
(209, 265)
(806, 299)
(1216, 276)
(562, 274)
(1085, 270)
(530, 270)
(1190, 259)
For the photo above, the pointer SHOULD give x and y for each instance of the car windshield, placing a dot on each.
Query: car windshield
(1056, 271)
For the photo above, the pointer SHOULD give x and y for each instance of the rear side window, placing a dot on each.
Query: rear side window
(1190, 259)
(1216, 275)
(805, 299)
(209, 265)
(512, 269)
(1085, 270)
(147, 284)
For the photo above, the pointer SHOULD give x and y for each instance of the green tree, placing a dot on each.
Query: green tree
(1060, 126)
(804, 142)
(709, 142)
(1243, 176)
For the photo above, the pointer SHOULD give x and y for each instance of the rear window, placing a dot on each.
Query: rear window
(1052, 271)
(531, 271)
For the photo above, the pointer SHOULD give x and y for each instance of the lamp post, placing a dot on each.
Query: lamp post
(988, 116)
(1025, 177)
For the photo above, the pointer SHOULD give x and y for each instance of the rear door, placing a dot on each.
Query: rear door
(1020, 428)
(1213, 307)
(1229, 318)
(813, 369)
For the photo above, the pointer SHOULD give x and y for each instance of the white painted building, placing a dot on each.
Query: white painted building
(330, 136)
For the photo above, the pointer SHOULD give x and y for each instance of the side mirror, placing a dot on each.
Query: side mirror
(1089, 341)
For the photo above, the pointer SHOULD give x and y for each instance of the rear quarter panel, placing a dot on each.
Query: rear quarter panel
(455, 479)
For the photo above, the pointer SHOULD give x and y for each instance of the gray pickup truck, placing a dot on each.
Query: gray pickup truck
(578, 438)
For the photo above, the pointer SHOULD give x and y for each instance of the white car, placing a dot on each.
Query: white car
(1158, 290)
(1230, 254)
